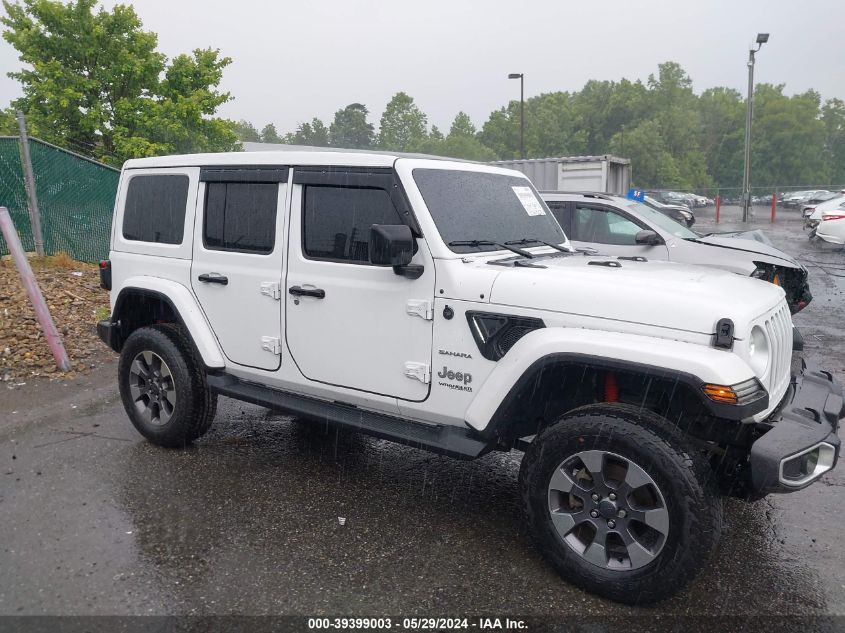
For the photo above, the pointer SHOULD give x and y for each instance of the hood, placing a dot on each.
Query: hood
(655, 293)
(742, 243)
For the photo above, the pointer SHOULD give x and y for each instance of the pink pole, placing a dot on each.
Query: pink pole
(774, 206)
(33, 291)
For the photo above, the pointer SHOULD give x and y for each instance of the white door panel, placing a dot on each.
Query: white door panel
(361, 334)
(245, 312)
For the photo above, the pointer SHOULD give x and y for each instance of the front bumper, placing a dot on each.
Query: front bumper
(804, 427)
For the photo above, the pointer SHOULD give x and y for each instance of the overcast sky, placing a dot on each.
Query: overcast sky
(296, 60)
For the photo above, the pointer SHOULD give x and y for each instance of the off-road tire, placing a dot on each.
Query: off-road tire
(195, 406)
(681, 474)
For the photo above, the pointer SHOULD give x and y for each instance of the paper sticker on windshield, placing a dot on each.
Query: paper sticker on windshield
(529, 201)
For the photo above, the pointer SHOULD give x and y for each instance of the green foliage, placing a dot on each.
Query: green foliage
(269, 134)
(403, 125)
(94, 82)
(315, 134)
(350, 128)
(833, 119)
(246, 132)
(8, 123)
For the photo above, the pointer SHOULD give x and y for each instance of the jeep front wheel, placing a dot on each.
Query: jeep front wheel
(619, 504)
(163, 387)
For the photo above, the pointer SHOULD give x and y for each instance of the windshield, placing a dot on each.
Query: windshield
(663, 221)
(472, 205)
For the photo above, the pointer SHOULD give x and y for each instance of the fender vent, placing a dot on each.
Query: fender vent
(496, 334)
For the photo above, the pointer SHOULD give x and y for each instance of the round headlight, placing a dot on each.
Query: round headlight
(758, 351)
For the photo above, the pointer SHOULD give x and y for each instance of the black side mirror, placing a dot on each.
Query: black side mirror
(648, 238)
(391, 245)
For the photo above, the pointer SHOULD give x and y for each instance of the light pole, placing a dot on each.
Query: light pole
(762, 38)
(521, 78)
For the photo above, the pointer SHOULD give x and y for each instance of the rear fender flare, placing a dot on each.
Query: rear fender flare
(184, 305)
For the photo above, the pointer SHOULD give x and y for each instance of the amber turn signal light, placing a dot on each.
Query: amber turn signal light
(720, 393)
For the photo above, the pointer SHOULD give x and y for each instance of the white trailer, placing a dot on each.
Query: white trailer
(606, 173)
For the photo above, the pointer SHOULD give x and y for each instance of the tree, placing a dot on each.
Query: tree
(315, 134)
(269, 134)
(462, 141)
(350, 128)
(833, 118)
(403, 125)
(96, 83)
(246, 132)
(788, 140)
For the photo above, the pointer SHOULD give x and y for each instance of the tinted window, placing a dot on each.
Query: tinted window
(471, 205)
(603, 227)
(240, 216)
(155, 209)
(336, 221)
(562, 214)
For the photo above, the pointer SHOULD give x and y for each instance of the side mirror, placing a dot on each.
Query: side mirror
(648, 238)
(391, 245)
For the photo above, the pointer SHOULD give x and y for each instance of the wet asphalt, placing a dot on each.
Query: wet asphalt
(94, 520)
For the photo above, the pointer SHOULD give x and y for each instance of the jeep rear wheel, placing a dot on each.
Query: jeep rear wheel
(163, 387)
(618, 504)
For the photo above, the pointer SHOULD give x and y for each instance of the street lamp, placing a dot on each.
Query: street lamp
(521, 78)
(762, 38)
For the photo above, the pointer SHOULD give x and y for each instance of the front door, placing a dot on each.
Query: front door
(349, 323)
(237, 263)
(604, 229)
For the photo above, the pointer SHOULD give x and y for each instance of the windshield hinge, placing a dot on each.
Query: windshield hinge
(421, 308)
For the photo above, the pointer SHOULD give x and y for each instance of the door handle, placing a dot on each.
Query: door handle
(298, 291)
(214, 278)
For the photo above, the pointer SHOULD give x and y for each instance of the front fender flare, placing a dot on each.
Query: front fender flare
(186, 308)
(688, 362)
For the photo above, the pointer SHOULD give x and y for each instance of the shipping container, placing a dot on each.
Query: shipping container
(607, 173)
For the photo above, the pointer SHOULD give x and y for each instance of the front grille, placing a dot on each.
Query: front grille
(748, 391)
(778, 326)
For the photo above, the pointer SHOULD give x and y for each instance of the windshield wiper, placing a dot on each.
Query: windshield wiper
(477, 243)
(526, 241)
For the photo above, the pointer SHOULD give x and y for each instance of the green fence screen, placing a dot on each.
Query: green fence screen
(75, 195)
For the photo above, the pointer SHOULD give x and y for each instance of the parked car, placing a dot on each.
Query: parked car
(812, 220)
(679, 213)
(831, 228)
(439, 304)
(834, 206)
(618, 226)
(671, 198)
(794, 198)
(810, 205)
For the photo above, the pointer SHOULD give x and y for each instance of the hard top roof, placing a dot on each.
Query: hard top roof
(259, 154)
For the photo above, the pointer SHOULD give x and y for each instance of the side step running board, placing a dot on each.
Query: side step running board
(446, 440)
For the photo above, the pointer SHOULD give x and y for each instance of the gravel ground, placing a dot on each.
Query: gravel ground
(73, 294)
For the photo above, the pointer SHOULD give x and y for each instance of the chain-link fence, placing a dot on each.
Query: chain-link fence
(75, 195)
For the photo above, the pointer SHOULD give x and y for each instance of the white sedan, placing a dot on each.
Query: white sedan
(831, 226)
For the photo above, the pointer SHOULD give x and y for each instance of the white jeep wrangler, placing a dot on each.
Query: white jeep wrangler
(438, 304)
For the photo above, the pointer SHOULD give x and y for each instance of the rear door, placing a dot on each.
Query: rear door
(237, 263)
